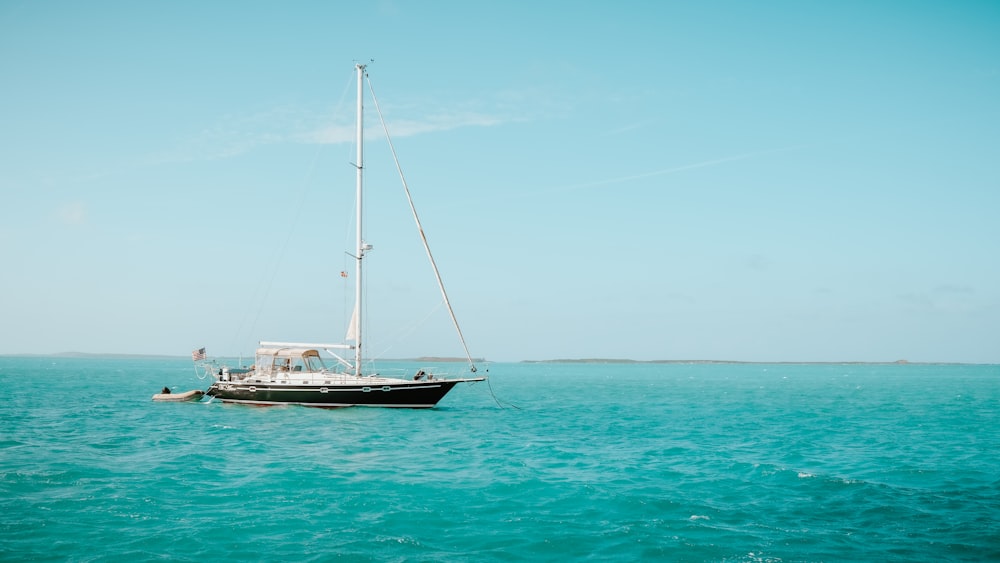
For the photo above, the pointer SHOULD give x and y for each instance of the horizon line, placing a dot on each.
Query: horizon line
(118, 355)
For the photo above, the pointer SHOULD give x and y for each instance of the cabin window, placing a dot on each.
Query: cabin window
(264, 364)
(314, 363)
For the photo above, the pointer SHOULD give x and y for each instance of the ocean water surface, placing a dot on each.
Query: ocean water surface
(620, 462)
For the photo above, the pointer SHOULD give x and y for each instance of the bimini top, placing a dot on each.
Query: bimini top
(276, 360)
(288, 352)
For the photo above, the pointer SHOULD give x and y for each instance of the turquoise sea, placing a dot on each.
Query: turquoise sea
(619, 462)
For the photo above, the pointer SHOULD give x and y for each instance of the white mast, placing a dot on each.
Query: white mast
(360, 241)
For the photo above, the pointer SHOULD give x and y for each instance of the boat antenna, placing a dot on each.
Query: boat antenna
(420, 228)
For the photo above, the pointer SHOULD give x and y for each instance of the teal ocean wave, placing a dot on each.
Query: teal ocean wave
(596, 462)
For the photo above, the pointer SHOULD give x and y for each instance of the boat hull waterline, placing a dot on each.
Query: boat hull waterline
(415, 395)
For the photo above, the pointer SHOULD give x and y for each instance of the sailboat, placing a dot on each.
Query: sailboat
(296, 373)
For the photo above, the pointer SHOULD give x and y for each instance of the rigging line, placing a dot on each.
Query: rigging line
(280, 252)
(405, 332)
(264, 286)
(420, 227)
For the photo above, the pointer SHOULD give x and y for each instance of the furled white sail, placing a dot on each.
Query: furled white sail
(352, 327)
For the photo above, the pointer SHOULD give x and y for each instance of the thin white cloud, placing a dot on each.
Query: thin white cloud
(329, 135)
(72, 213)
(343, 133)
(626, 129)
(703, 164)
(441, 122)
(234, 136)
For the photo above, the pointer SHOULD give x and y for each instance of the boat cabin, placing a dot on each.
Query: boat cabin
(278, 361)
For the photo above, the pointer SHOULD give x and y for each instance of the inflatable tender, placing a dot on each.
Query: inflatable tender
(192, 395)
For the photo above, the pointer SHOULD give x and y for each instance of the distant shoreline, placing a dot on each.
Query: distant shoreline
(766, 362)
(103, 356)
(117, 356)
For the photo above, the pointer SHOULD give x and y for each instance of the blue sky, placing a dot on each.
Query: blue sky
(761, 181)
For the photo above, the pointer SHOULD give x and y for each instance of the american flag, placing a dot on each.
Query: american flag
(198, 354)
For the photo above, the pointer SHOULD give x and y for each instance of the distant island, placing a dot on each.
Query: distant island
(626, 361)
(105, 356)
(440, 359)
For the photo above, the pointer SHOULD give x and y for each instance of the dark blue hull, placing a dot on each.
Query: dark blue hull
(416, 395)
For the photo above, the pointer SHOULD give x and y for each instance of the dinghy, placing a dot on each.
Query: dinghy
(192, 395)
